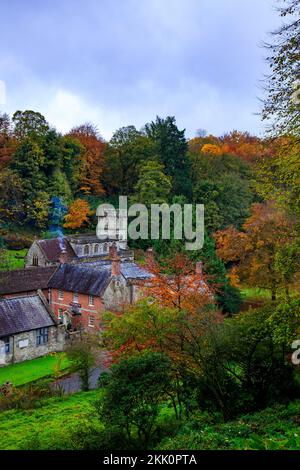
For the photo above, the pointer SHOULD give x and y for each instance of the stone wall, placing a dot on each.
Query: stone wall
(35, 250)
(23, 345)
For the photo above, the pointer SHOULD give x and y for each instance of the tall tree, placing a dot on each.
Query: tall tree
(78, 214)
(257, 252)
(92, 158)
(153, 186)
(127, 150)
(29, 124)
(7, 142)
(282, 86)
(171, 148)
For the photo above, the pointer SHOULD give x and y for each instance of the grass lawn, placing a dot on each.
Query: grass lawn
(49, 425)
(24, 372)
(270, 429)
(14, 259)
(255, 293)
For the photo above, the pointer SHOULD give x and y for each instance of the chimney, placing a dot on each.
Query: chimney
(115, 260)
(113, 251)
(149, 255)
(63, 257)
(199, 267)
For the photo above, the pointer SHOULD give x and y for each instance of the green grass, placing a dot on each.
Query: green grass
(50, 425)
(28, 371)
(270, 429)
(255, 293)
(14, 259)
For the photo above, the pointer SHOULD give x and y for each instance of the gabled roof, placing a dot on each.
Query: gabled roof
(53, 248)
(129, 269)
(80, 278)
(25, 313)
(25, 280)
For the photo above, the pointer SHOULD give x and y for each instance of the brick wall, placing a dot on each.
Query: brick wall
(90, 318)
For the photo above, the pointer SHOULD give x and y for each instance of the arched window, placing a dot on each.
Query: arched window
(96, 248)
(35, 260)
(86, 250)
(105, 247)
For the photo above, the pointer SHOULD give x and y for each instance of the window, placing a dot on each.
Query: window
(105, 247)
(42, 336)
(60, 314)
(96, 248)
(91, 321)
(75, 297)
(35, 260)
(86, 250)
(4, 346)
(91, 300)
(60, 295)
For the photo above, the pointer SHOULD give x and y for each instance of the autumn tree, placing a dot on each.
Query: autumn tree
(78, 214)
(7, 142)
(92, 158)
(256, 252)
(178, 283)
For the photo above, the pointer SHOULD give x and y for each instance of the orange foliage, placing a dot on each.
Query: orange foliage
(212, 149)
(78, 214)
(179, 285)
(92, 159)
(253, 251)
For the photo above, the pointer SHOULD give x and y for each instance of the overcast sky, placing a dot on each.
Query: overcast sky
(121, 62)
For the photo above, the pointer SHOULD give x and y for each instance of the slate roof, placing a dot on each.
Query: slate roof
(80, 278)
(92, 278)
(21, 314)
(25, 280)
(52, 249)
(129, 269)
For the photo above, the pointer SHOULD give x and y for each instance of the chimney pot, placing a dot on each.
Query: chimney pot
(149, 255)
(199, 268)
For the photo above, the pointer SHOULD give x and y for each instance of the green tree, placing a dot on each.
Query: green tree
(81, 354)
(126, 151)
(153, 186)
(282, 85)
(171, 149)
(29, 124)
(133, 394)
(28, 163)
(223, 184)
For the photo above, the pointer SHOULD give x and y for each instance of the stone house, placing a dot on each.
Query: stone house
(79, 293)
(75, 248)
(28, 329)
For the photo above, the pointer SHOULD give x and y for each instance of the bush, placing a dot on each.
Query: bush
(17, 242)
(27, 397)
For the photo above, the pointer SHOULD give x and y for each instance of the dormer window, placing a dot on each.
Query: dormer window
(75, 297)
